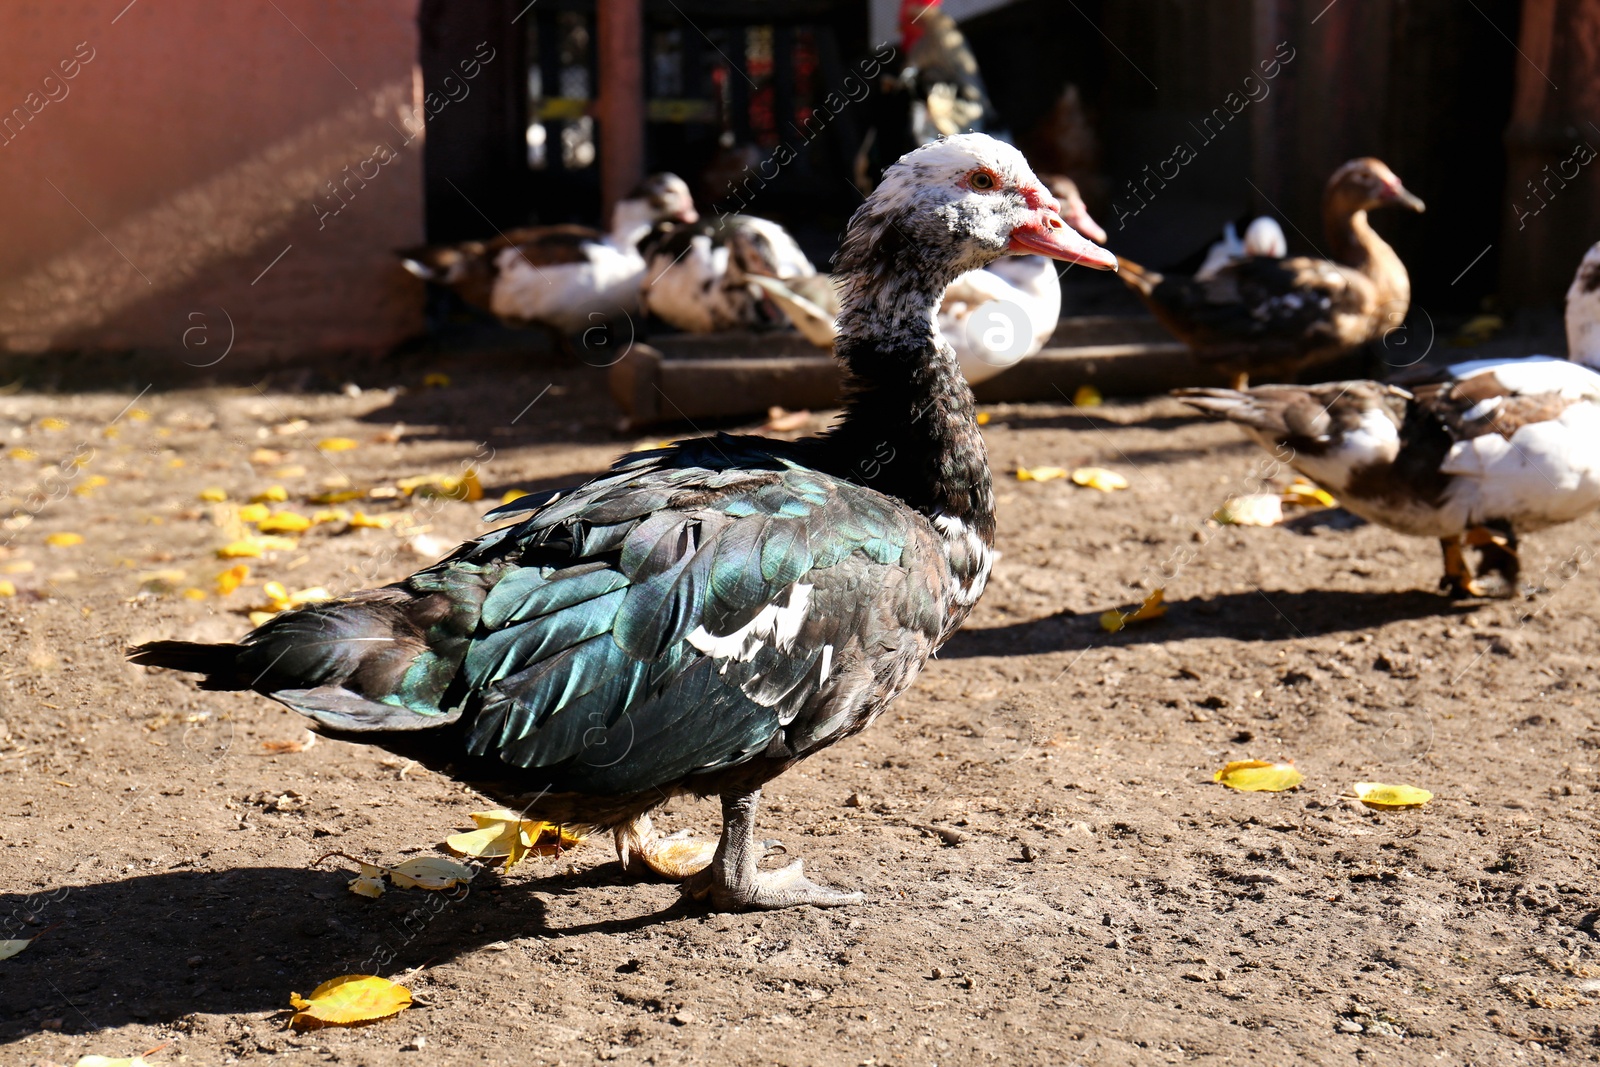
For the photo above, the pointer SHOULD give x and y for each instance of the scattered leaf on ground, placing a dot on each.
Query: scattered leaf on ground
(1099, 478)
(280, 599)
(430, 872)
(435, 380)
(232, 578)
(1385, 797)
(338, 444)
(279, 747)
(1257, 509)
(24, 454)
(106, 1061)
(464, 486)
(213, 496)
(361, 520)
(256, 547)
(1087, 396)
(64, 540)
(354, 998)
(7, 587)
(284, 522)
(1040, 474)
(272, 494)
(983, 418)
(513, 494)
(505, 834)
(1151, 608)
(53, 424)
(265, 457)
(90, 484)
(369, 883)
(1259, 776)
(1307, 495)
(253, 512)
(339, 496)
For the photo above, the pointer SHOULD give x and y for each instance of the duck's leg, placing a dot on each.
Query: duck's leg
(1496, 543)
(735, 883)
(642, 848)
(1457, 582)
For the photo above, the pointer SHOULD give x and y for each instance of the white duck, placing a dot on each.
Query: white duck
(993, 318)
(1263, 237)
(1484, 450)
(697, 276)
(1583, 311)
(566, 278)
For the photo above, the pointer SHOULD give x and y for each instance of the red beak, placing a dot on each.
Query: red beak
(1078, 218)
(1045, 233)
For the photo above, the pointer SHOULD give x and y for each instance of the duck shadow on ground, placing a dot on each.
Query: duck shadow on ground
(1259, 615)
(153, 948)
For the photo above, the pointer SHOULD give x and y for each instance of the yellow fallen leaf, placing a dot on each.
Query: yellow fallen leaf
(460, 487)
(339, 496)
(7, 588)
(1257, 509)
(64, 540)
(284, 522)
(256, 547)
(272, 494)
(232, 578)
(1386, 797)
(175, 463)
(513, 494)
(1151, 608)
(1040, 474)
(253, 512)
(83, 460)
(1087, 396)
(280, 599)
(263, 457)
(17, 566)
(261, 618)
(329, 515)
(139, 415)
(293, 470)
(354, 998)
(194, 594)
(435, 380)
(53, 424)
(104, 1061)
(24, 454)
(369, 883)
(90, 484)
(1307, 495)
(983, 418)
(1259, 776)
(213, 496)
(430, 872)
(111, 432)
(1099, 478)
(338, 444)
(505, 834)
(361, 520)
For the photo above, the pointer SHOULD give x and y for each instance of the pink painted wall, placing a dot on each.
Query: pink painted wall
(195, 143)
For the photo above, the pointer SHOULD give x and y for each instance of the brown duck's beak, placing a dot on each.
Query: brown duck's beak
(1407, 199)
(1045, 233)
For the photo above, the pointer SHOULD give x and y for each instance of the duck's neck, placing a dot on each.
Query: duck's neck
(910, 425)
(630, 221)
(1356, 244)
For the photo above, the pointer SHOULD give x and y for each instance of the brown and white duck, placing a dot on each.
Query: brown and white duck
(1267, 316)
(1483, 451)
(567, 278)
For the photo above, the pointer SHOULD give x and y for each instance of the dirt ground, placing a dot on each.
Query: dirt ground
(1052, 875)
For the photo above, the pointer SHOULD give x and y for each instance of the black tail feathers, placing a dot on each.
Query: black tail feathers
(219, 663)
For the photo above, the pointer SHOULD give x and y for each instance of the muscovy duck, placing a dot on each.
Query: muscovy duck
(1483, 451)
(993, 318)
(697, 276)
(560, 277)
(1263, 237)
(1583, 311)
(707, 613)
(1278, 316)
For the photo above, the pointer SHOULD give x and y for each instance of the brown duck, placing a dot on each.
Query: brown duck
(1274, 317)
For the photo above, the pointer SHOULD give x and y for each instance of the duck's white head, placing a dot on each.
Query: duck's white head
(954, 205)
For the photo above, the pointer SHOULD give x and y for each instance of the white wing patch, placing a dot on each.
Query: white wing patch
(955, 532)
(776, 623)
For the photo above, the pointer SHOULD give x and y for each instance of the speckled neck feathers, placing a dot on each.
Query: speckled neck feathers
(909, 427)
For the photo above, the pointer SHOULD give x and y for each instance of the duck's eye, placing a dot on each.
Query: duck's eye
(982, 181)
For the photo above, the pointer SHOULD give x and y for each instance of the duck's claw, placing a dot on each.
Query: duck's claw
(675, 857)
